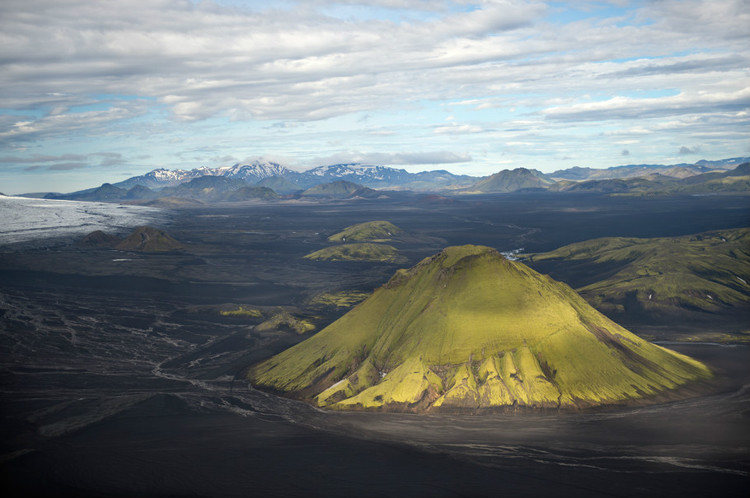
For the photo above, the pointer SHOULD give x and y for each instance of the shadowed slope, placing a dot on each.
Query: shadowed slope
(468, 329)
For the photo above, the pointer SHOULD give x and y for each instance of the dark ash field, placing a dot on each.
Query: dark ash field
(121, 376)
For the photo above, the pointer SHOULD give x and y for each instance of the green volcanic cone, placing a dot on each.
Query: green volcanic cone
(467, 328)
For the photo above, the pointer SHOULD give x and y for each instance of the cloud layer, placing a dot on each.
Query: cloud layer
(394, 79)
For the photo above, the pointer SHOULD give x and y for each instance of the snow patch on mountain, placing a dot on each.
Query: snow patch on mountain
(252, 173)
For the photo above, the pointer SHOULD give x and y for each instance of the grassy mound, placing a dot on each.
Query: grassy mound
(467, 328)
(357, 252)
(371, 231)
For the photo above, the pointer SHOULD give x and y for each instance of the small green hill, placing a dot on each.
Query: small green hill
(149, 239)
(468, 329)
(706, 272)
(371, 231)
(357, 252)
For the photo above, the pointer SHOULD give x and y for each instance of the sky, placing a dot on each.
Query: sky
(99, 91)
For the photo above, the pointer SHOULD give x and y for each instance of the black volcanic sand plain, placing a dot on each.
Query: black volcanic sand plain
(122, 372)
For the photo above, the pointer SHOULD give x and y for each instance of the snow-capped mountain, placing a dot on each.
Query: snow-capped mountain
(285, 180)
(362, 174)
(251, 173)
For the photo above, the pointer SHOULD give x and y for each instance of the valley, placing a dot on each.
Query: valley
(123, 369)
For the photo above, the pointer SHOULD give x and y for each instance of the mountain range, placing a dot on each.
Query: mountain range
(268, 180)
(374, 176)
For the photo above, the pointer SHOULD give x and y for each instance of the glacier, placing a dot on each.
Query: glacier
(26, 219)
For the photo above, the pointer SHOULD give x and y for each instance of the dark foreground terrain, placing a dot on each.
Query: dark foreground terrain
(121, 377)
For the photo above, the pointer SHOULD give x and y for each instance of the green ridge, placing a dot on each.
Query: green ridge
(367, 232)
(467, 328)
(707, 272)
(364, 251)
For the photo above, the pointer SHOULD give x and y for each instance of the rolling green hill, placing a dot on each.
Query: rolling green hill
(367, 232)
(468, 329)
(357, 252)
(707, 272)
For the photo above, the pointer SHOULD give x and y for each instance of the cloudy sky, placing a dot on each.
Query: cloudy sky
(95, 91)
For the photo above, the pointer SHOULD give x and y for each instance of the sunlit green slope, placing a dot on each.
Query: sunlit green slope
(705, 272)
(468, 329)
(364, 232)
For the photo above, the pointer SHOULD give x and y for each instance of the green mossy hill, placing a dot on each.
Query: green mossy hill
(371, 231)
(149, 239)
(468, 329)
(704, 272)
(364, 251)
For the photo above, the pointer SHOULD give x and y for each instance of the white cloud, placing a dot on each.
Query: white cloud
(397, 159)
(635, 108)
(76, 68)
(456, 128)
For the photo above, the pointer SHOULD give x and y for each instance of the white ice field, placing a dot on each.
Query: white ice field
(24, 219)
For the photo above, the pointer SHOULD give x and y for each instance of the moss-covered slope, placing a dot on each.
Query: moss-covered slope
(364, 251)
(706, 272)
(367, 232)
(467, 328)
